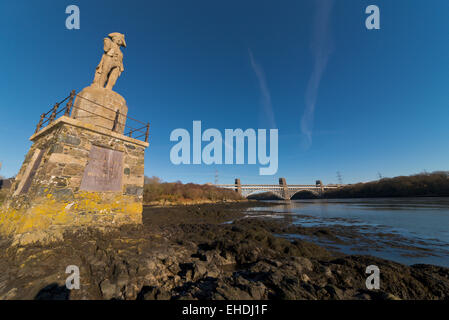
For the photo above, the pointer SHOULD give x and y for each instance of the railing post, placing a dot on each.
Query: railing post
(131, 133)
(69, 105)
(147, 132)
(53, 114)
(117, 114)
(39, 125)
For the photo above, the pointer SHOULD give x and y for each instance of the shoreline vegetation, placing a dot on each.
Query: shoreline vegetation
(435, 184)
(158, 193)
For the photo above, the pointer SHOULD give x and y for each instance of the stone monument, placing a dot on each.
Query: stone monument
(81, 169)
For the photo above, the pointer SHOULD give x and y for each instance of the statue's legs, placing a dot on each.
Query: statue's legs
(103, 77)
(97, 79)
(113, 76)
(102, 72)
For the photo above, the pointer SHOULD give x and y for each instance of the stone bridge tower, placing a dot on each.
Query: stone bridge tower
(284, 190)
(238, 186)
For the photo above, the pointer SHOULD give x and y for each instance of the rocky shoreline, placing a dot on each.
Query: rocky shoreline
(207, 251)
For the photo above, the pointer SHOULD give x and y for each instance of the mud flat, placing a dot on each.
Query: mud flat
(208, 251)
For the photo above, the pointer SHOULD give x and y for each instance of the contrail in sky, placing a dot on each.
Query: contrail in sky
(266, 97)
(321, 47)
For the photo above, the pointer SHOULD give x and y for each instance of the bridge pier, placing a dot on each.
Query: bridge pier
(320, 185)
(284, 188)
(238, 186)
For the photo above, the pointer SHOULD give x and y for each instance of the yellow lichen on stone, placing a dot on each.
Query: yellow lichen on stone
(87, 209)
(9, 220)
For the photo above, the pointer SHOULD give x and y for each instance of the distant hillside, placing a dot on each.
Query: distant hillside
(424, 184)
(418, 185)
(158, 192)
(6, 183)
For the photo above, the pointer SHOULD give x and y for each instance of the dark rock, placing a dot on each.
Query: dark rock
(53, 292)
(108, 289)
(153, 293)
(187, 253)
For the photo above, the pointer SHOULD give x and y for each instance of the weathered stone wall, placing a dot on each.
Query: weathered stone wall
(53, 198)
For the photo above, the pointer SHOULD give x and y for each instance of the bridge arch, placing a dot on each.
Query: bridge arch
(305, 192)
(249, 193)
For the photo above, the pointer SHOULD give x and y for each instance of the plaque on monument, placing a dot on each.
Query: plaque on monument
(103, 171)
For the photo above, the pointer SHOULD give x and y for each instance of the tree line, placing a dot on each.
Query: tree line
(418, 185)
(157, 190)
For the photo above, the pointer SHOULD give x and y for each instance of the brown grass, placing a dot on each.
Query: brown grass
(176, 192)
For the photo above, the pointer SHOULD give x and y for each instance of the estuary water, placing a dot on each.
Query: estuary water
(406, 230)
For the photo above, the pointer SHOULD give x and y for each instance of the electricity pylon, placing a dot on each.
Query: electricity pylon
(340, 180)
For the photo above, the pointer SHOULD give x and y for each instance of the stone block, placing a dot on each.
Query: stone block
(98, 106)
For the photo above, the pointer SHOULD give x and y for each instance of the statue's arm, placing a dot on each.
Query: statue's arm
(107, 44)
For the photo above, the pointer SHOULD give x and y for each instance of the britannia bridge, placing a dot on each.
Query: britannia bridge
(282, 190)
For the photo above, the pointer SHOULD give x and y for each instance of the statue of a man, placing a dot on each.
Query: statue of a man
(111, 64)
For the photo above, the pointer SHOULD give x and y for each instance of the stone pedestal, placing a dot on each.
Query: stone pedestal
(98, 106)
(75, 174)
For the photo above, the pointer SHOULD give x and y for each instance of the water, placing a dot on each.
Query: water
(406, 230)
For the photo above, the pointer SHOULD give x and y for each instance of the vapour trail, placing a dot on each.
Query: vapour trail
(266, 96)
(321, 48)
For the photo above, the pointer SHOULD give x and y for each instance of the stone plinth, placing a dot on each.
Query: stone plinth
(98, 106)
(75, 174)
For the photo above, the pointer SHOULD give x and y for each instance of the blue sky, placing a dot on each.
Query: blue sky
(379, 99)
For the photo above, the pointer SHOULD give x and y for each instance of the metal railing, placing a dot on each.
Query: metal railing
(49, 117)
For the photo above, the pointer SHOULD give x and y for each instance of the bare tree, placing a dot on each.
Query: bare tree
(152, 180)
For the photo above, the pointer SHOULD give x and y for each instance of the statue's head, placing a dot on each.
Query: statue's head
(118, 38)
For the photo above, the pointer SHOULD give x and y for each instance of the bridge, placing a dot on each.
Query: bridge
(282, 190)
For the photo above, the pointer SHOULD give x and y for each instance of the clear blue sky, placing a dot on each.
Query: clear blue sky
(380, 99)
